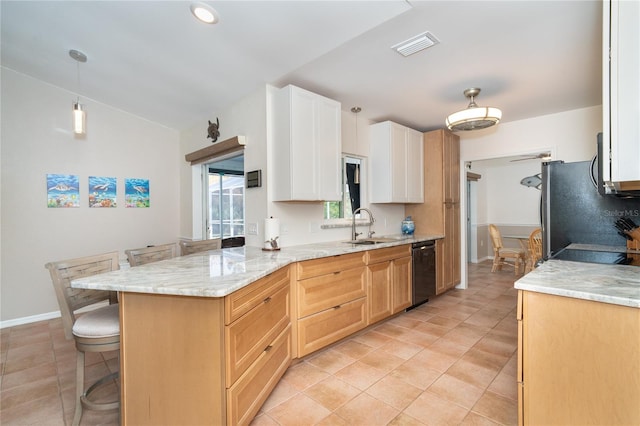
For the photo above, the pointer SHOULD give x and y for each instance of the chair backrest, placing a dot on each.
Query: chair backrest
(71, 299)
(496, 237)
(146, 255)
(189, 247)
(535, 245)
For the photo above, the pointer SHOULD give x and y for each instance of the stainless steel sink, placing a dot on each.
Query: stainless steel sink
(376, 240)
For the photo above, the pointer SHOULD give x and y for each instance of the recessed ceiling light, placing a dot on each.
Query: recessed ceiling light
(204, 13)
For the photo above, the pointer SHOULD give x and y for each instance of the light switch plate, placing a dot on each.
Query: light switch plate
(252, 229)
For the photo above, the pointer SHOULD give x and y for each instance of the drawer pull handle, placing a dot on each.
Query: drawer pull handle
(267, 300)
(336, 307)
(268, 348)
(336, 272)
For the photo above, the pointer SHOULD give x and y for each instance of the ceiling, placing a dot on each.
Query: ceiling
(154, 60)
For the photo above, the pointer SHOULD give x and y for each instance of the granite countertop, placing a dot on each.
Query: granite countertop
(615, 284)
(218, 273)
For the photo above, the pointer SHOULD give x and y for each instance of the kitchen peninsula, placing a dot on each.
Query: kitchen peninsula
(579, 344)
(206, 337)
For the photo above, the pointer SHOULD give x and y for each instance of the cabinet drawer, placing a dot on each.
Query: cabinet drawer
(319, 330)
(247, 395)
(242, 301)
(326, 291)
(389, 253)
(329, 265)
(247, 337)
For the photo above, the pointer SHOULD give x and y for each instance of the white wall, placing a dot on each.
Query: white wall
(249, 119)
(36, 141)
(569, 136)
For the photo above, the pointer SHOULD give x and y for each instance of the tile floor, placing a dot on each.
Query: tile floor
(451, 361)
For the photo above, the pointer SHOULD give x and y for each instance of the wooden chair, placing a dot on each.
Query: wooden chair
(146, 255)
(95, 331)
(189, 247)
(535, 249)
(500, 254)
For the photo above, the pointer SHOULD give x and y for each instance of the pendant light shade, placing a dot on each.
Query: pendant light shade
(79, 119)
(474, 117)
(79, 114)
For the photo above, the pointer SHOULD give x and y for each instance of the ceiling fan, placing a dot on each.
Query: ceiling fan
(540, 156)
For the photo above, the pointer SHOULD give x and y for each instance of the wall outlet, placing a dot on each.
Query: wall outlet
(252, 229)
(481, 243)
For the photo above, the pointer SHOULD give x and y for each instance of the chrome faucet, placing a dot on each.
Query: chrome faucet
(354, 234)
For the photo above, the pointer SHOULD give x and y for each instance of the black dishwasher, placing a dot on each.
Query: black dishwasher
(423, 255)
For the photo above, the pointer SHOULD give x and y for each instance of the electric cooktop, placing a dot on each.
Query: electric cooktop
(593, 256)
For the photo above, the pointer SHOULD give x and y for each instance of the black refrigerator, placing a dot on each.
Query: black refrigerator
(573, 211)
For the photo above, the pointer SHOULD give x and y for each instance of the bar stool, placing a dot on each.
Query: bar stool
(142, 256)
(94, 331)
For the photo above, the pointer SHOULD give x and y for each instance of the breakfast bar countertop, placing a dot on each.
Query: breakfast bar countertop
(615, 284)
(218, 273)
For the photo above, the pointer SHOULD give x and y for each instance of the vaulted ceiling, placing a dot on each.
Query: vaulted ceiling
(154, 60)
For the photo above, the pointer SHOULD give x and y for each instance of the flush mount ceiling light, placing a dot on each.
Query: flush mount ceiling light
(474, 117)
(79, 114)
(416, 44)
(204, 13)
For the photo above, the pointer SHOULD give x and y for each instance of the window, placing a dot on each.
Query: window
(225, 198)
(351, 178)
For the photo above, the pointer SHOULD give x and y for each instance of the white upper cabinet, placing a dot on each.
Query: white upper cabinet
(355, 134)
(621, 93)
(396, 157)
(306, 146)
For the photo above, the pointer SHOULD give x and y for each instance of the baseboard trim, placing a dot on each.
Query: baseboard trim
(47, 316)
(29, 319)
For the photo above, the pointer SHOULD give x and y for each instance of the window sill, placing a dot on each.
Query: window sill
(344, 223)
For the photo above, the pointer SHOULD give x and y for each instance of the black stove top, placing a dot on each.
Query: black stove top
(593, 256)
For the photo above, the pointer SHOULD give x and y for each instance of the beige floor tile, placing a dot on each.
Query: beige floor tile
(434, 359)
(44, 411)
(360, 375)
(416, 374)
(263, 419)
(391, 331)
(332, 393)
(444, 321)
(303, 375)
(382, 360)
(432, 410)
(418, 338)
(297, 411)
(282, 392)
(401, 349)
(432, 329)
(455, 390)
(333, 420)
(374, 338)
(394, 392)
(403, 419)
(504, 385)
(353, 349)
(497, 408)
(366, 410)
(28, 393)
(474, 419)
(472, 373)
(330, 360)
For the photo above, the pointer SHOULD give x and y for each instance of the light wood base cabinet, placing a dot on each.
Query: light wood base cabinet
(578, 361)
(331, 300)
(198, 360)
(388, 281)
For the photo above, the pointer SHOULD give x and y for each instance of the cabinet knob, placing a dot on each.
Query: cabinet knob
(267, 300)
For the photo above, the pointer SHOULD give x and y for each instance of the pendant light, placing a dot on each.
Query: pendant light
(356, 174)
(79, 113)
(474, 117)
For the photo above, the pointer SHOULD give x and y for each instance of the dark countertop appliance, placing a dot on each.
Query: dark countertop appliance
(574, 212)
(423, 271)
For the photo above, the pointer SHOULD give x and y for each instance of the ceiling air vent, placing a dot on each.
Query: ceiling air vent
(416, 44)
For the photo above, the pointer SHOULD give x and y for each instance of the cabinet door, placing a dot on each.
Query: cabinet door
(379, 295)
(415, 168)
(327, 149)
(304, 179)
(622, 60)
(398, 170)
(401, 289)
